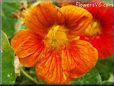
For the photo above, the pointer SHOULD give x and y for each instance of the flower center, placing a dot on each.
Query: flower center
(94, 29)
(56, 36)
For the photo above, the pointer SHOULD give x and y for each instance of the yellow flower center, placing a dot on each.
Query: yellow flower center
(56, 36)
(94, 29)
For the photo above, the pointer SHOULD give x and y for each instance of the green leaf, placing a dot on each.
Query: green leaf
(55, 3)
(105, 67)
(108, 1)
(92, 77)
(28, 76)
(0, 60)
(8, 74)
(8, 8)
(10, 0)
(109, 81)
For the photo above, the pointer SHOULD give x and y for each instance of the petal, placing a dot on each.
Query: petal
(78, 58)
(103, 43)
(100, 14)
(76, 19)
(42, 16)
(49, 68)
(27, 46)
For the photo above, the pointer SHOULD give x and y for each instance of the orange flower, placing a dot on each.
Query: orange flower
(51, 42)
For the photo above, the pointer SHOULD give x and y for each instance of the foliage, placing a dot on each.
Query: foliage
(108, 1)
(7, 18)
(8, 74)
(92, 77)
(102, 73)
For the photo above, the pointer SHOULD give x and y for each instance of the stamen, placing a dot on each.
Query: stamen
(56, 36)
(94, 29)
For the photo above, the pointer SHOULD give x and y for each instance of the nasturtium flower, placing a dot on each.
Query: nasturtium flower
(99, 32)
(51, 42)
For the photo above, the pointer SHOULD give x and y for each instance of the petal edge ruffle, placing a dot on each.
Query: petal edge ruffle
(78, 58)
(27, 47)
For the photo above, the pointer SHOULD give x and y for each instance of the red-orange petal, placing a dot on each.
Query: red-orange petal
(42, 16)
(49, 68)
(78, 58)
(27, 46)
(103, 41)
(76, 19)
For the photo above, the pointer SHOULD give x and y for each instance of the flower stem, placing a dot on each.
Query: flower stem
(28, 76)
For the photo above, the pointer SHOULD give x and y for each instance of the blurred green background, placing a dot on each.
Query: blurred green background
(103, 73)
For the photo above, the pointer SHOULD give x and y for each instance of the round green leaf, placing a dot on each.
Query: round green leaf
(8, 74)
(92, 77)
